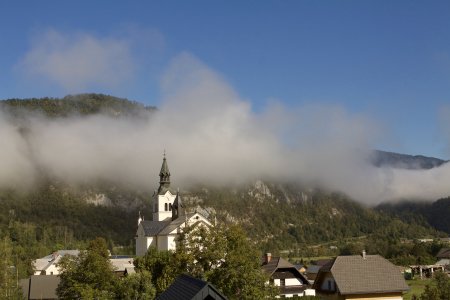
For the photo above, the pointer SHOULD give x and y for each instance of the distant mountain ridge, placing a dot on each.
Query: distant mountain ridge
(80, 104)
(275, 214)
(404, 161)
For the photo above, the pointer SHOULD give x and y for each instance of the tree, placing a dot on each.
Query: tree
(137, 286)
(439, 289)
(161, 265)
(221, 255)
(238, 272)
(90, 275)
(8, 271)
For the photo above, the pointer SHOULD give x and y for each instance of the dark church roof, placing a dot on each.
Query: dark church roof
(164, 178)
(186, 287)
(152, 228)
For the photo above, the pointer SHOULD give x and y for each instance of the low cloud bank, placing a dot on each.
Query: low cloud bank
(212, 136)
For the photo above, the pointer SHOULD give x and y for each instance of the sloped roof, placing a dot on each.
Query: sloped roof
(152, 228)
(186, 287)
(45, 262)
(276, 263)
(279, 263)
(313, 269)
(121, 264)
(443, 253)
(357, 275)
(40, 287)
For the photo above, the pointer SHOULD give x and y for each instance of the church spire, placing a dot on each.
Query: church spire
(164, 176)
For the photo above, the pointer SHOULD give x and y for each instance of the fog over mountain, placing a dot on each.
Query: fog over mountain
(211, 135)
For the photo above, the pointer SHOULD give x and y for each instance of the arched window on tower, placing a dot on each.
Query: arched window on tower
(165, 207)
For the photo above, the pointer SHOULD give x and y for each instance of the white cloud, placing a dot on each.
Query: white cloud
(212, 136)
(78, 61)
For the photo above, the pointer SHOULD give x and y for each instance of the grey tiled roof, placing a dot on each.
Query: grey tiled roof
(443, 253)
(280, 264)
(276, 263)
(40, 286)
(188, 288)
(152, 228)
(172, 225)
(356, 275)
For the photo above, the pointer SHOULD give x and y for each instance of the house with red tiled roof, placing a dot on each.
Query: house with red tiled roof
(360, 277)
(286, 276)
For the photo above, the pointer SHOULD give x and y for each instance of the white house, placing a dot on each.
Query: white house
(169, 218)
(287, 277)
(47, 264)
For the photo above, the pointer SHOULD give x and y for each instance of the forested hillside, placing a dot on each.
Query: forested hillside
(80, 104)
(276, 216)
(435, 213)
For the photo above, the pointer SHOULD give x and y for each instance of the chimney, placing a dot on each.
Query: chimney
(364, 254)
(268, 257)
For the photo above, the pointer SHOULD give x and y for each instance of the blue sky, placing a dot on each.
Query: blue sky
(385, 60)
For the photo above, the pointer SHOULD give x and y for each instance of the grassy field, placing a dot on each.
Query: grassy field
(416, 287)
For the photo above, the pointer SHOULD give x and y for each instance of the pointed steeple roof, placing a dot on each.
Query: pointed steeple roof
(177, 207)
(164, 176)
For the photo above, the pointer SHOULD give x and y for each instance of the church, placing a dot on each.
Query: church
(169, 217)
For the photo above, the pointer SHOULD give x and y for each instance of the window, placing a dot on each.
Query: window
(331, 286)
(165, 207)
(170, 206)
(282, 282)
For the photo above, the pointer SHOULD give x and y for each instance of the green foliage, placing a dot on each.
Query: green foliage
(289, 219)
(439, 289)
(238, 274)
(222, 255)
(8, 275)
(137, 286)
(161, 265)
(81, 104)
(90, 275)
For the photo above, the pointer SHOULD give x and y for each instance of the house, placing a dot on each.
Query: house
(285, 275)
(47, 264)
(40, 287)
(169, 218)
(122, 265)
(301, 268)
(360, 277)
(186, 287)
(311, 272)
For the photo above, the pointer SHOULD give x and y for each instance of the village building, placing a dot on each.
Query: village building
(443, 257)
(40, 287)
(360, 277)
(186, 287)
(47, 265)
(169, 217)
(286, 276)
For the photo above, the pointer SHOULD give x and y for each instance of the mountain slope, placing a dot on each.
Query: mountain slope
(434, 213)
(403, 161)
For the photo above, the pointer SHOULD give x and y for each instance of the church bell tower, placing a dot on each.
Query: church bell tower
(164, 198)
